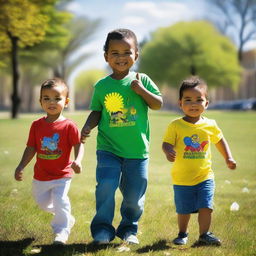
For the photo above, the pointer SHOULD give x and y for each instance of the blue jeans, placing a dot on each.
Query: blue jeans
(131, 176)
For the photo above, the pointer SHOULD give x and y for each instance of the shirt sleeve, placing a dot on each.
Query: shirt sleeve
(217, 133)
(149, 84)
(95, 101)
(31, 142)
(73, 133)
(170, 134)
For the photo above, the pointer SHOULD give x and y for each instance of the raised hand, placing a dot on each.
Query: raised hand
(136, 85)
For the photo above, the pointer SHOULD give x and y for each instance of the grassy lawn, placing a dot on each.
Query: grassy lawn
(25, 230)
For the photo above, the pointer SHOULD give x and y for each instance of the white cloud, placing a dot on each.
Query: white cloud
(132, 20)
(160, 10)
(74, 7)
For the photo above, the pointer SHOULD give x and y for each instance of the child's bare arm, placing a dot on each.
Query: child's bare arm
(79, 153)
(154, 101)
(91, 122)
(27, 156)
(170, 153)
(224, 149)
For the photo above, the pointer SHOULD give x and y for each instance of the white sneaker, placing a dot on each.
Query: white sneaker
(61, 238)
(131, 239)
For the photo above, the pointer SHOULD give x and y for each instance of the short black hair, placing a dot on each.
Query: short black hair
(191, 82)
(53, 82)
(119, 34)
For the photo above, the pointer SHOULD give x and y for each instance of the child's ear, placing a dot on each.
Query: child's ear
(206, 104)
(67, 101)
(136, 55)
(179, 102)
(106, 57)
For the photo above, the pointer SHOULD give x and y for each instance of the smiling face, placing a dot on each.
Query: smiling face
(53, 100)
(193, 103)
(121, 55)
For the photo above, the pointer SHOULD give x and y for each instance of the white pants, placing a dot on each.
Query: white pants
(52, 196)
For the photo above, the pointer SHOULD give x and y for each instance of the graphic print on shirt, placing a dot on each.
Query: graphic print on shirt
(50, 147)
(193, 148)
(121, 114)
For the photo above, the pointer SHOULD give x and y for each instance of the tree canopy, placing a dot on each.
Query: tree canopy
(190, 48)
(24, 23)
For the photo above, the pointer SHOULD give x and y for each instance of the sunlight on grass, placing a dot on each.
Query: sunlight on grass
(25, 229)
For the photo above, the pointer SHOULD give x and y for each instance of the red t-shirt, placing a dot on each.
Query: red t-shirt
(53, 143)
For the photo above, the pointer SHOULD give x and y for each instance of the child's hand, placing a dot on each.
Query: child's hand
(77, 167)
(231, 163)
(85, 133)
(18, 174)
(171, 155)
(136, 85)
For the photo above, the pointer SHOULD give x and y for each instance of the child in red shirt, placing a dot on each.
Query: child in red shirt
(51, 138)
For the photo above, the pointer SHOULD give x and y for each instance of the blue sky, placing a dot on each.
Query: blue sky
(141, 16)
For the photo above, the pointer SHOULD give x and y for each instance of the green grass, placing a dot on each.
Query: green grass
(24, 228)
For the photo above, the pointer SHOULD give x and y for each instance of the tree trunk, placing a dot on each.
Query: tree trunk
(15, 75)
(193, 70)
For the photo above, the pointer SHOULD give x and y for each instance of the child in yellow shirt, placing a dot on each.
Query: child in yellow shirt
(187, 144)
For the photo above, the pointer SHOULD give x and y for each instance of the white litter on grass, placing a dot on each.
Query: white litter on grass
(6, 152)
(167, 253)
(234, 207)
(245, 190)
(14, 191)
(36, 250)
(227, 181)
(123, 249)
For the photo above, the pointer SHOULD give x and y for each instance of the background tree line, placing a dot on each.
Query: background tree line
(40, 38)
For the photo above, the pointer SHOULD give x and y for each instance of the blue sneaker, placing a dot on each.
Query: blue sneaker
(181, 239)
(209, 239)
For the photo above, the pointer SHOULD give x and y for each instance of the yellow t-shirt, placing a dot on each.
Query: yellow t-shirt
(193, 153)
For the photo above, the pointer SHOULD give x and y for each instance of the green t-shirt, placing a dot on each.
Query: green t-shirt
(124, 127)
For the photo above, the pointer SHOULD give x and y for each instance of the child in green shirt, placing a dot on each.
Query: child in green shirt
(120, 109)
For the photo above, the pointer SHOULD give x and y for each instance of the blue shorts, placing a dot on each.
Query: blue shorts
(189, 199)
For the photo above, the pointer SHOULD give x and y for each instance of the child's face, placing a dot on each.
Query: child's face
(194, 101)
(53, 100)
(121, 55)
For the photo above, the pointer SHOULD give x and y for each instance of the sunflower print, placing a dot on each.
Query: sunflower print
(114, 102)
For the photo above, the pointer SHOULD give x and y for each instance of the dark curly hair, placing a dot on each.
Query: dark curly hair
(119, 34)
(191, 82)
(53, 82)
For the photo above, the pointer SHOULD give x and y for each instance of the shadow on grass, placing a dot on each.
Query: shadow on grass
(161, 245)
(68, 249)
(23, 248)
(14, 248)
(200, 244)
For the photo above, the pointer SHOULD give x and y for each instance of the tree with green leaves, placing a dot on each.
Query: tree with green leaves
(24, 23)
(190, 48)
(84, 82)
(80, 30)
(236, 19)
